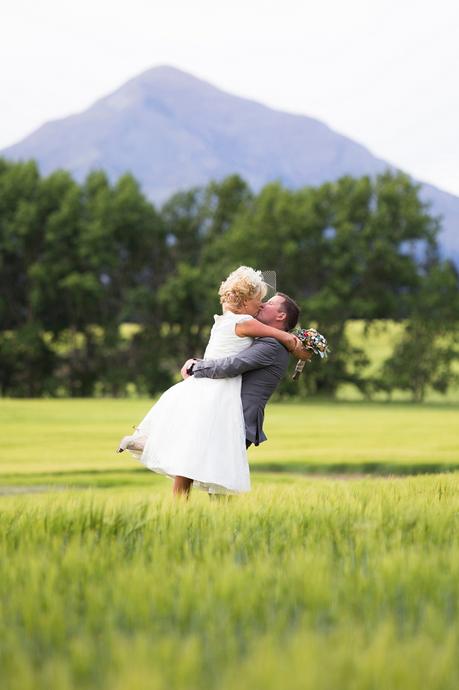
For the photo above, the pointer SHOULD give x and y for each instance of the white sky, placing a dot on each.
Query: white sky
(383, 72)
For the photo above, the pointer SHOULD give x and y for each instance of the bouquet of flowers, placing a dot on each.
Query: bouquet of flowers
(312, 340)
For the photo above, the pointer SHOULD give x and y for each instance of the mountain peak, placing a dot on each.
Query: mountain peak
(173, 130)
(162, 83)
(166, 75)
(168, 72)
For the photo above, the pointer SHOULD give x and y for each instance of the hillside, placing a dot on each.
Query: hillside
(174, 131)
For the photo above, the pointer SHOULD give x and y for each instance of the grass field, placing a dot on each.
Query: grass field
(306, 582)
(60, 436)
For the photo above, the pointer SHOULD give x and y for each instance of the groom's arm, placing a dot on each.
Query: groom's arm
(261, 353)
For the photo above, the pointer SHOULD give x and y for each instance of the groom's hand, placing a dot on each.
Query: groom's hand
(187, 364)
(301, 353)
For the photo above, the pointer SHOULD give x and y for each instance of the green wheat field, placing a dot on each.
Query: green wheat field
(339, 570)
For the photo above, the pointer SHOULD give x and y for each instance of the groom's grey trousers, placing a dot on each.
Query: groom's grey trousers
(262, 365)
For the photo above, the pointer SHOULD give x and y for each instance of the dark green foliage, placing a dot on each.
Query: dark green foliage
(27, 363)
(419, 360)
(78, 261)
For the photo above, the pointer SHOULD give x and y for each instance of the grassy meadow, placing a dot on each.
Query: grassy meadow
(55, 437)
(310, 581)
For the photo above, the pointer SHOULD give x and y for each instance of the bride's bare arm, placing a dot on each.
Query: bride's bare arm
(256, 329)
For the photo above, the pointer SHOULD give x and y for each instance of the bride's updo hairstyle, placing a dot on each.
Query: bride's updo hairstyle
(241, 285)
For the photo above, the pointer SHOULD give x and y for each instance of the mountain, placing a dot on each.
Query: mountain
(174, 131)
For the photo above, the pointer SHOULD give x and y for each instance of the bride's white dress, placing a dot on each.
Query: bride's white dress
(196, 429)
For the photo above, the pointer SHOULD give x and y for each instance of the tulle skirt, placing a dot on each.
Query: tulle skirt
(196, 429)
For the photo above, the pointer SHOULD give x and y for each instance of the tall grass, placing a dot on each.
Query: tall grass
(308, 584)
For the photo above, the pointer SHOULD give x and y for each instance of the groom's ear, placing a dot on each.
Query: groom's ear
(281, 316)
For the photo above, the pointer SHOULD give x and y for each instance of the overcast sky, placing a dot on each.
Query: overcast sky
(383, 72)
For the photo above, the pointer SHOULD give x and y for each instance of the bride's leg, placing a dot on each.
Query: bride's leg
(137, 443)
(222, 498)
(182, 486)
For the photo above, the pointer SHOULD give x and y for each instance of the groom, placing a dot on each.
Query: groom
(262, 364)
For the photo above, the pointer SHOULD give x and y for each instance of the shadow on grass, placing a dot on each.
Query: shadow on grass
(318, 401)
(378, 469)
(108, 479)
(100, 479)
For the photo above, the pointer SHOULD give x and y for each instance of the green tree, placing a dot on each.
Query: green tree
(79, 261)
(20, 237)
(27, 363)
(420, 360)
(424, 356)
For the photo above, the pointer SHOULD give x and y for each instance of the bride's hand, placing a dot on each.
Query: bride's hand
(292, 343)
(302, 353)
(187, 364)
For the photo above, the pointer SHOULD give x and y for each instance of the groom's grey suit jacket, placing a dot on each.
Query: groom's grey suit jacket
(262, 365)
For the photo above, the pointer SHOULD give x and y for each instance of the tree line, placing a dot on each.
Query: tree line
(80, 261)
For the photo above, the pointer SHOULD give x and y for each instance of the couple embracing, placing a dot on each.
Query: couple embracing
(199, 430)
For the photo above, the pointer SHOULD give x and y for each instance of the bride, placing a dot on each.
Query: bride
(195, 432)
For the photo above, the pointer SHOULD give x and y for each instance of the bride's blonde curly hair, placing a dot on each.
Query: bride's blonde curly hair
(241, 285)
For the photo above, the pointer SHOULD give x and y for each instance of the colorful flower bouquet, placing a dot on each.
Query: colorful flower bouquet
(312, 340)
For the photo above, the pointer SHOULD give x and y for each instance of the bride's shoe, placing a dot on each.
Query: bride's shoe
(124, 443)
(133, 442)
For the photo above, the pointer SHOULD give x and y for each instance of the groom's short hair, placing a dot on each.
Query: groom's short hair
(291, 309)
